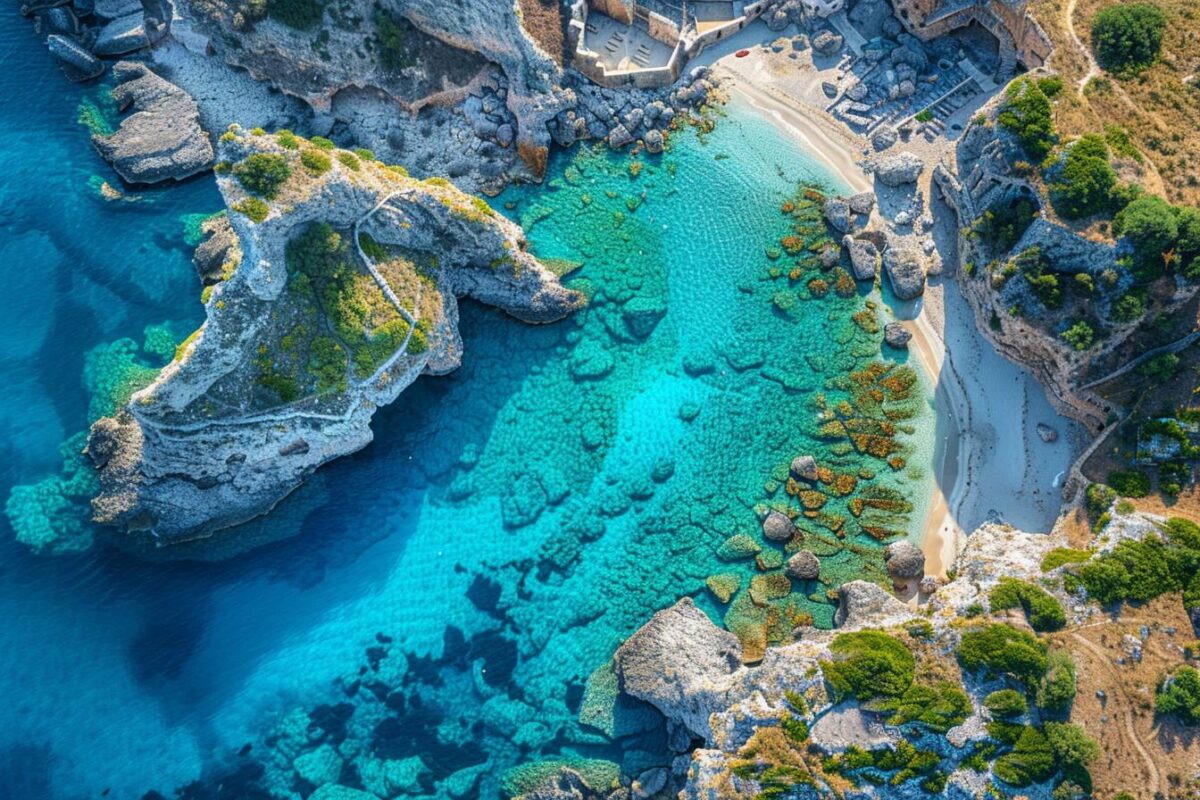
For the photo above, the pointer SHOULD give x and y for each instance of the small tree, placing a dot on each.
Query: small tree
(1179, 694)
(1080, 335)
(1127, 37)
(263, 173)
(1150, 225)
(1084, 181)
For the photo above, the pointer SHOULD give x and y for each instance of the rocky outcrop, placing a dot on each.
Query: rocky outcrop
(864, 257)
(899, 169)
(803, 566)
(862, 604)
(162, 139)
(226, 431)
(896, 336)
(904, 560)
(777, 527)
(680, 663)
(904, 264)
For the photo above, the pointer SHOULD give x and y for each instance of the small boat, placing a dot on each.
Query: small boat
(741, 53)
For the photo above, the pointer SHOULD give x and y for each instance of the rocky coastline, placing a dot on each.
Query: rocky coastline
(256, 399)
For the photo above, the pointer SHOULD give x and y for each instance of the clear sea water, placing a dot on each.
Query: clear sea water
(400, 617)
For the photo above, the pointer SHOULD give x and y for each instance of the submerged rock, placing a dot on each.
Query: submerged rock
(777, 527)
(804, 566)
(162, 139)
(1046, 433)
(209, 443)
(804, 467)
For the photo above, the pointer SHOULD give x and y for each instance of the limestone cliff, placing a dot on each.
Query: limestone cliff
(1007, 232)
(343, 295)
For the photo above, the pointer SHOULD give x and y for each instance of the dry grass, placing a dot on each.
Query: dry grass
(1158, 109)
(1141, 754)
(544, 21)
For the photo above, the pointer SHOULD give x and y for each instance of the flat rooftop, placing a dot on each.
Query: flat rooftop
(624, 47)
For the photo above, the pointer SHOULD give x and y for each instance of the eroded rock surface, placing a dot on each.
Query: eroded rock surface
(277, 381)
(162, 139)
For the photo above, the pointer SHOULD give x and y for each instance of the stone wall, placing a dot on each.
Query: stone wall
(663, 29)
(1009, 22)
(620, 10)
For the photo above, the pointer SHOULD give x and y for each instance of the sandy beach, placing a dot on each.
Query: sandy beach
(987, 455)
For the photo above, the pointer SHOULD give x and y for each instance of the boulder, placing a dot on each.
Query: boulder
(649, 783)
(505, 135)
(804, 467)
(777, 19)
(114, 9)
(905, 268)
(899, 169)
(803, 566)
(827, 42)
(830, 254)
(868, 605)
(619, 137)
(218, 248)
(830, 89)
(633, 119)
(904, 560)
(162, 139)
(777, 527)
(1046, 433)
(680, 663)
(74, 59)
(884, 137)
(837, 213)
(864, 257)
(862, 203)
(896, 336)
(930, 584)
(122, 35)
(653, 141)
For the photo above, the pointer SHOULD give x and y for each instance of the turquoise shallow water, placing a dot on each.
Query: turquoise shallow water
(447, 592)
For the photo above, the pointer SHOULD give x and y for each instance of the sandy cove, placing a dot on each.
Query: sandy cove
(987, 458)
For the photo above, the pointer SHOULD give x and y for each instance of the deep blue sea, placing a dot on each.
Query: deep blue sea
(400, 637)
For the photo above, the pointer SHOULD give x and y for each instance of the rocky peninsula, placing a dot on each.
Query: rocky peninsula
(337, 289)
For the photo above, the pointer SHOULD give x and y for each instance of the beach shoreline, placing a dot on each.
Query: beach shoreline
(980, 442)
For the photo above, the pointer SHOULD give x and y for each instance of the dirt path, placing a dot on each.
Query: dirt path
(1093, 68)
(1120, 704)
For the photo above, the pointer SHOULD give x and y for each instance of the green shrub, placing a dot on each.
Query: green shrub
(1133, 570)
(1080, 335)
(254, 208)
(364, 153)
(869, 664)
(1187, 245)
(938, 707)
(1129, 483)
(1028, 115)
(349, 160)
(1179, 694)
(1083, 182)
(316, 161)
(1056, 689)
(299, 14)
(287, 139)
(1006, 704)
(1127, 37)
(1128, 308)
(1003, 224)
(1061, 556)
(321, 142)
(1030, 761)
(1150, 225)
(1099, 498)
(1161, 368)
(1073, 750)
(395, 54)
(1043, 610)
(263, 173)
(1000, 649)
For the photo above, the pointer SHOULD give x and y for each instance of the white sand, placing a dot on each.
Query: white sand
(991, 462)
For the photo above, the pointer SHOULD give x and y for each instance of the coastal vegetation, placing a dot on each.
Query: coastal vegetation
(1043, 610)
(1179, 694)
(1127, 37)
(869, 664)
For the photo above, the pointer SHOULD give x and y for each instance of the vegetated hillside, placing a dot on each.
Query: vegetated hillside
(1156, 108)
